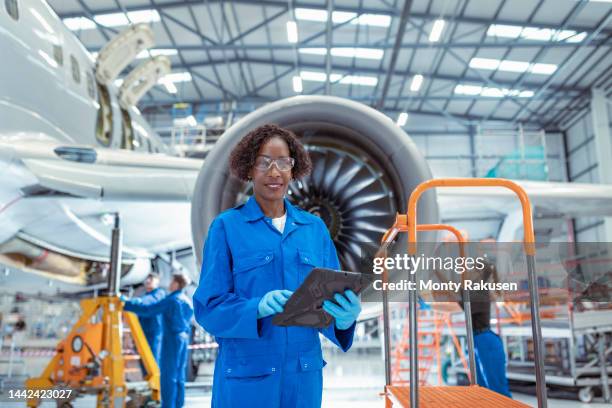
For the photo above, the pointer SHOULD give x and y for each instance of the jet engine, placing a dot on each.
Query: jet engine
(364, 169)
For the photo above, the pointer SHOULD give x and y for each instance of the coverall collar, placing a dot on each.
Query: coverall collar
(252, 212)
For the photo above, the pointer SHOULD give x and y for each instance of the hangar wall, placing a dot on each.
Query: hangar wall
(583, 167)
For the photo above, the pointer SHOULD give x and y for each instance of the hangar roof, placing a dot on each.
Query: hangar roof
(531, 61)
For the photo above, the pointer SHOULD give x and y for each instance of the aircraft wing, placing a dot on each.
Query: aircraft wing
(563, 199)
(90, 172)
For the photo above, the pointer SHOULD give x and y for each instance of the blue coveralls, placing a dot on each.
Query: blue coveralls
(491, 362)
(176, 312)
(151, 326)
(245, 256)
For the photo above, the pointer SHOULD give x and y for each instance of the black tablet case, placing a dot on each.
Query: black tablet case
(304, 307)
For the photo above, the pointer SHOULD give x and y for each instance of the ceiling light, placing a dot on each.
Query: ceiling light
(297, 84)
(79, 23)
(436, 30)
(402, 119)
(292, 32)
(155, 52)
(416, 83)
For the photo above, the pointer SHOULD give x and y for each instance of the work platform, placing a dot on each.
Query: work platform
(472, 396)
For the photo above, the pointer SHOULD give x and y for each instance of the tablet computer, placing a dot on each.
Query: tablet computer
(305, 307)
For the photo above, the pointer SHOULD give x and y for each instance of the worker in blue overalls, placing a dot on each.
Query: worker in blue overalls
(151, 325)
(176, 312)
(255, 256)
(488, 347)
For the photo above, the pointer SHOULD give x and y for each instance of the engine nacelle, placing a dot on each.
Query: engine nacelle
(364, 169)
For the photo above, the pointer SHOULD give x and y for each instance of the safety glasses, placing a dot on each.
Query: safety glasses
(264, 163)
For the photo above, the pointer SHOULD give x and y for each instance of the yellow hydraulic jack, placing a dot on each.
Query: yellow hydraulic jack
(90, 359)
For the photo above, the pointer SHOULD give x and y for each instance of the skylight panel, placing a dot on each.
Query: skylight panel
(491, 92)
(339, 78)
(357, 80)
(79, 23)
(313, 51)
(366, 53)
(311, 14)
(506, 31)
(121, 19)
(339, 17)
(468, 89)
(545, 69)
(484, 63)
(535, 33)
(155, 52)
(512, 66)
(313, 76)
(176, 77)
(170, 87)
(375, 20)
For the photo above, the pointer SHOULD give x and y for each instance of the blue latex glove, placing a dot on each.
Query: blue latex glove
(345, 311)
(272, 302)
(123, 298)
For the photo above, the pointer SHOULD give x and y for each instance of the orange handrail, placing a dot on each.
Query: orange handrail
(529, 236)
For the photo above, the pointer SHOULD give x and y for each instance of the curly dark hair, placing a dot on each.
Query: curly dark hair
(242, 158)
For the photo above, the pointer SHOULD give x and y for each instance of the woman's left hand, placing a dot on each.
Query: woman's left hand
(345, 311)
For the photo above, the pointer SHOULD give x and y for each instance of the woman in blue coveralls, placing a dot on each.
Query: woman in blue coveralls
(255, 256)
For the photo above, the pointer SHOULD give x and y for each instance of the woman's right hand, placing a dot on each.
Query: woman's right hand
(273, 302)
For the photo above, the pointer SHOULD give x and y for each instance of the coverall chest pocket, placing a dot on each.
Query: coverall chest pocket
(307, 260)
(254, 274)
